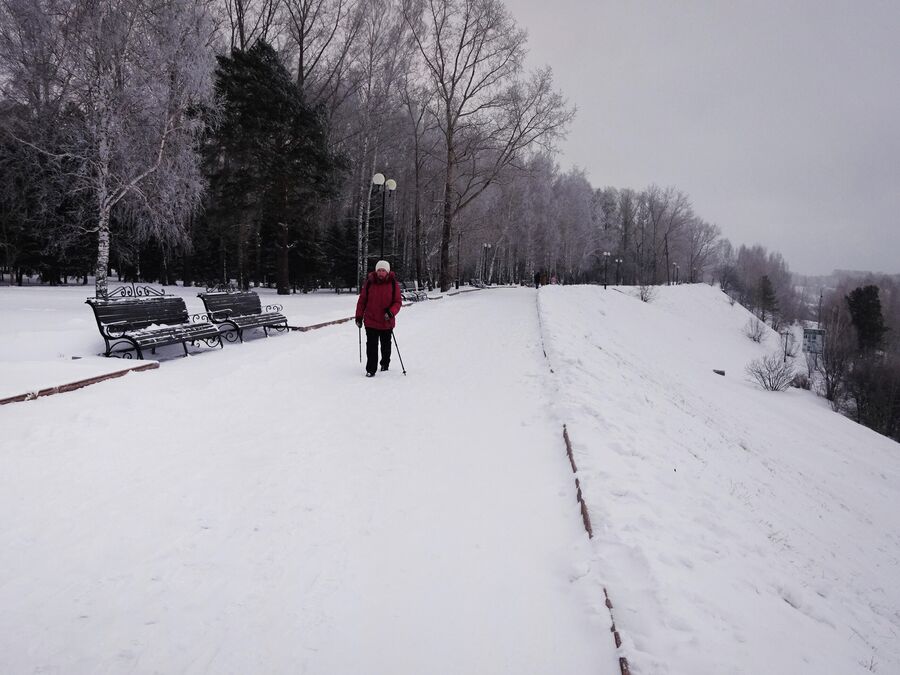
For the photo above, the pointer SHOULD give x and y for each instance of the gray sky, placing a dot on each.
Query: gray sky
(780, 119)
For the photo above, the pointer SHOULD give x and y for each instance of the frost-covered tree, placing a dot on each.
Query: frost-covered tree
(136, 72)
(488, 114)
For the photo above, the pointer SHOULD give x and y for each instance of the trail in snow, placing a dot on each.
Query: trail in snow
(266, 508)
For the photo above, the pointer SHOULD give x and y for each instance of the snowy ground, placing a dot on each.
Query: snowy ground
(49, 337)
(265, 508)
(740, 531)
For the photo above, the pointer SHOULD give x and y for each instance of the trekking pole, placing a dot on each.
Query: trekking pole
(360, 343)
(397, 347)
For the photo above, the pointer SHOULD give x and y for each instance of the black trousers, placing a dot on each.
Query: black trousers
(373, 337)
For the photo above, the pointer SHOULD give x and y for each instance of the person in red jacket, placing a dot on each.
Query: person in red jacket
(378, 304)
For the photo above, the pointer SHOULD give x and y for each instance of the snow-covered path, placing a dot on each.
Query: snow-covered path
(266, 508)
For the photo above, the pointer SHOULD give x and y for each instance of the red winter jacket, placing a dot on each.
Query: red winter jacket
(376, 297)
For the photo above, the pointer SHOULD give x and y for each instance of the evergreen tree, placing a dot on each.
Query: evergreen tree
(766, 300)
(865, 314)
(269, 162)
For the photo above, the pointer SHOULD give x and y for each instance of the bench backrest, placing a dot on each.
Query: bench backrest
(235, 304)
(137, 313)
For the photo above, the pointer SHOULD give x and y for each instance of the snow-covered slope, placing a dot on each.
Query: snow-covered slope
(265, 508)
(738, 530)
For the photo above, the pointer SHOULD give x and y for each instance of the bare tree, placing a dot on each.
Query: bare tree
(415, 100)
(250, 21)
(472, 51)
(837, 357)
(381, 60)
(702, 239)
(321, 34)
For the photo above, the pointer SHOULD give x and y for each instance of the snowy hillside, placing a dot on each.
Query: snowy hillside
(266, 508)
(740, 531)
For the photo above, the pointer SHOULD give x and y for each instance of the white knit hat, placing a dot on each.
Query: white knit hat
(383, 265)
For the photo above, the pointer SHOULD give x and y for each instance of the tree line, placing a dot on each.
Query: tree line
(236, 141)
(219, 140)
(860, 369)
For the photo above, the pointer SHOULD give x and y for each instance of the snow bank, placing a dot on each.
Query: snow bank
(740, 531)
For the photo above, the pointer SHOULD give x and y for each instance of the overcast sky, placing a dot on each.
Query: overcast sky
(780, 119)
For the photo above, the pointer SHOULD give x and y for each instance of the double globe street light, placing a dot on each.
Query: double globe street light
(385, 186)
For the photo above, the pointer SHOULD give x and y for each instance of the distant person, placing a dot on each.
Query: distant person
(378, 304)
(537, 279)
(553, 279)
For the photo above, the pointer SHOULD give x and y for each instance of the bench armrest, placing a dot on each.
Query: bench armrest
(116, 329)
(220, 313)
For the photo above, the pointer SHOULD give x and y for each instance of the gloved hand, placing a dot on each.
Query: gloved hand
(358, 322)
(388, 315)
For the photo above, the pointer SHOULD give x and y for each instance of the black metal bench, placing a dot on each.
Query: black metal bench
(410, 293)
(241, 310)
(137, 324)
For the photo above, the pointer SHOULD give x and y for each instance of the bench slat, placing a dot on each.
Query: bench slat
(148, 322)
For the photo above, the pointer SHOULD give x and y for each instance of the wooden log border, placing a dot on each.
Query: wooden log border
(72, 386)
(586, 519)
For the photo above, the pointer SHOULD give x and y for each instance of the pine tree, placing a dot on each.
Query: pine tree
(766, 300)
(269, 163)
(865, 314)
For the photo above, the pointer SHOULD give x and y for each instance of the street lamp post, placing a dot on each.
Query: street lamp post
(618, 262)
(605, 267)
(674, 269)
(385, 186)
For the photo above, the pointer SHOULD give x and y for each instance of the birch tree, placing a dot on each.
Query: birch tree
(135, 70)
(380, 61)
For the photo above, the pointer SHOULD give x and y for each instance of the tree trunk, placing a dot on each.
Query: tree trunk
(187, 273)
(223, 260)
(418, 216)
(243, 282)
(100, 284)
(447, 230)
(284, 275)
(362, 215)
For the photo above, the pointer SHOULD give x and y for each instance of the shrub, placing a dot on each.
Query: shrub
(755, 329)
(646, 292)
(771, 373)
(801, 381)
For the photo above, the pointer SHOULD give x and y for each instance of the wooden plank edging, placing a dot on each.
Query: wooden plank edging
(586, 519)
(72, 386)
